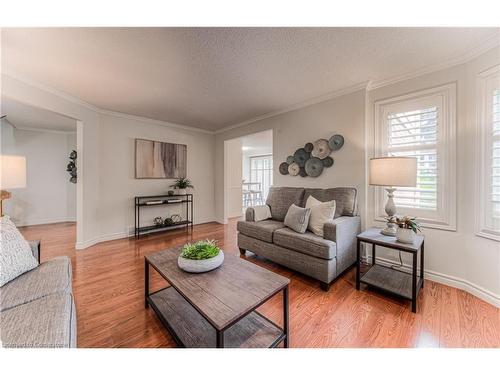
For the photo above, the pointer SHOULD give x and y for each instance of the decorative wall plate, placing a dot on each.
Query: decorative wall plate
(290, 159)
(314, 167)
(321, 149)
(336, 142)
(302, 172)
(284, 168)
(293, 169)
(327, 162)
(308, 147)
(300, 157)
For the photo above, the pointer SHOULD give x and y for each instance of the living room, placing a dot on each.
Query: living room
(269, 187)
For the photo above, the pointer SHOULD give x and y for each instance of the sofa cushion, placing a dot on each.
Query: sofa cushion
(16, 257)
(306, 243)
(297, 218)
(280, 199)
(261, 230)
(50, 277)
(47, 322)
(345, 199)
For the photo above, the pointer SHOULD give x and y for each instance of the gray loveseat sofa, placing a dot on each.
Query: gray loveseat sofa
(323, 258)
(37, 309)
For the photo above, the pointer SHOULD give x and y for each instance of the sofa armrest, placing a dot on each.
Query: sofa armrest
(343, 231)
(35, 249)
(250, 212)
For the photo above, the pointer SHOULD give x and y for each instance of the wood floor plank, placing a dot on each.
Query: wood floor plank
(108, 282)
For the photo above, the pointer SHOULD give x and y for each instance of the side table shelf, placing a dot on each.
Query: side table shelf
(400, 283)
(140, 203)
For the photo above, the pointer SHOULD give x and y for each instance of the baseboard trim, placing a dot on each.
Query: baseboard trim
(452, 281)
(26, 223)
(118, 236)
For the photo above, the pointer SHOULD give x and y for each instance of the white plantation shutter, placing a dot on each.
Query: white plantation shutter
(493, 180)
(421, 125)
(414, 133)
(488, 155)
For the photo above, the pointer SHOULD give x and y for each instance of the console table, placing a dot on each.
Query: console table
(388, 279)
(141, 203)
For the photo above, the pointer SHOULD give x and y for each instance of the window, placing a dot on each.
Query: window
(261, 171)
(488, 154)
(421, 125)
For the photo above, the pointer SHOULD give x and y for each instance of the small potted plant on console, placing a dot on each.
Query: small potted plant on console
(181, 184)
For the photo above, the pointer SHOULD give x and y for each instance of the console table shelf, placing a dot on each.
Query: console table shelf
(140, 202)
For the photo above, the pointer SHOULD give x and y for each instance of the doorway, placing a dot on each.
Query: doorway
(248, 172)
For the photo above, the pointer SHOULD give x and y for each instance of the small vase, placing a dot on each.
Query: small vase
(405, 235)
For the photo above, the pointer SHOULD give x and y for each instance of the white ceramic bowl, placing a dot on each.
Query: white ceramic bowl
(199, 266)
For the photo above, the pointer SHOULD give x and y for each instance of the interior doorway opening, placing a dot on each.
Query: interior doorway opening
(248, 171)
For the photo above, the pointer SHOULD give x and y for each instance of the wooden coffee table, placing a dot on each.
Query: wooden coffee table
(217, 308)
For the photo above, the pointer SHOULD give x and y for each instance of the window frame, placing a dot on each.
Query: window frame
(269, 170)
(444, 217)
(483, 139)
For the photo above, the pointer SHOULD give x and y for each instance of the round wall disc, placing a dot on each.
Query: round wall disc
(293, 169)
(336, 142)
(321, 149)
(314, 167)
(290, 159)
(284, 168)
(302, 172)
(327, 162)
(308, 147)
(300, 157)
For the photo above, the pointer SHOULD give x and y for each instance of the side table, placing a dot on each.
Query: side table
(388, 279)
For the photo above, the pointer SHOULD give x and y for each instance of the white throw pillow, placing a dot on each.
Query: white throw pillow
(16, 257)
(321, 212)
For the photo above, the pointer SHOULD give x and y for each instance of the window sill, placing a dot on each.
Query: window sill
(489, 235)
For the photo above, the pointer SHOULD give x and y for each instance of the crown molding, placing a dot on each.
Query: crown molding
(303, 104)
(153, 121)
(45, 130)
(488, 44)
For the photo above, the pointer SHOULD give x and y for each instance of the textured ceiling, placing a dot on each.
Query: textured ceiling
(26, 116)
(215, 77)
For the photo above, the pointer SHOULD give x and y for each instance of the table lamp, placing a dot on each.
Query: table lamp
(391, 172)
(12, 175)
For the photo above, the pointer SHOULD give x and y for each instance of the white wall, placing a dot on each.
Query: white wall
(48, 197)
(460, 257)
(233, 177)
(118, 186)
(343, 115)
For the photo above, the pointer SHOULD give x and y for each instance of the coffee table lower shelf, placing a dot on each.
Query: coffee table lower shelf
(190, 329)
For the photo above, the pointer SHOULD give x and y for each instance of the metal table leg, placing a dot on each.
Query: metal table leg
(286, 327)
(358, 260)
(146, 283)
(220, 339)
(414, 284)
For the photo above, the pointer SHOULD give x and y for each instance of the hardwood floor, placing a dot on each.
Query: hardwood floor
(109, 280)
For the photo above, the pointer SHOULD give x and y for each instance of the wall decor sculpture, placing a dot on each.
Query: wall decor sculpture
(71, 167)
(313, 158)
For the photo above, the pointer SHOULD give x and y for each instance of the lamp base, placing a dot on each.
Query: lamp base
(389, 230)
(4, 194)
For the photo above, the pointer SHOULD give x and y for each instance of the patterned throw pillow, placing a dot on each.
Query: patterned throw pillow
(297, 218)
(16, 257)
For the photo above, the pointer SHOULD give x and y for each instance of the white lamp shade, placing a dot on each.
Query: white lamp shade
(393, 171)
(12, 172)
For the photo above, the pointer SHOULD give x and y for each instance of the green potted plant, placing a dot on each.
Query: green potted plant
(181, 184)
(407, 229)
(201, 256)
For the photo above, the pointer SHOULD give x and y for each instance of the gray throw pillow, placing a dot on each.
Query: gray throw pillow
(297, 218)
(16, 257)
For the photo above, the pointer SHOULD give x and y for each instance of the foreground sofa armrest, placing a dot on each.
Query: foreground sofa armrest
(250, 212)
(343, 231)
(35, 249)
